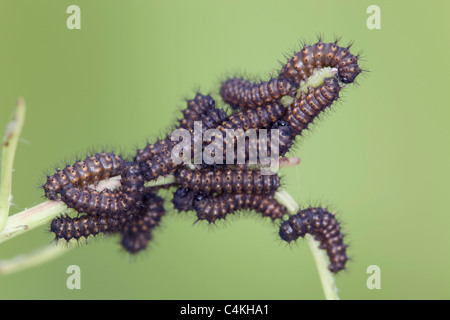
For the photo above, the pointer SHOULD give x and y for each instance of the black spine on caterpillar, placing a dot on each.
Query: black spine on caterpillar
(324, 227)
(212, 208)
(304, 110)
(320, 55)
(225, 180)
(241, 93)
(137, 230)
(74, 228)
(82, 173)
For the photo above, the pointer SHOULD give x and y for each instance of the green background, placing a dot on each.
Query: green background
(380, 157)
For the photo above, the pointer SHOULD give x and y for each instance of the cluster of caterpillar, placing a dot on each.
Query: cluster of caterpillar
(221, 188)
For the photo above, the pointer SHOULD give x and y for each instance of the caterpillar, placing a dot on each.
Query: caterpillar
(212, 118)
(195, 110)
(264, 147)
(256, 149)
(324, 227)
(132, 180)
(68, 228)
(107, 202)
(239, 124)
(159, 166)
(240, 93)
(304, 110)
(212, 208)
(320, 55)
(259, 118)
(82, 173)
(137, 230)
(227, 181)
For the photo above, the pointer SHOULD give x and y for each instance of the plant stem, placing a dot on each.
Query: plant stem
(35, 258)
(31, 218)
(9, 147)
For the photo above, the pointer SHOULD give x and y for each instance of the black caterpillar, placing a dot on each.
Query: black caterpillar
(240, 123)
(319, 55)
(227, 181)
(82, 173)
(324, 227)
(242, 93)
(212, 208)
(74, 228)
(259, 118)
(304, 110)
(137, 230)
(107, 202)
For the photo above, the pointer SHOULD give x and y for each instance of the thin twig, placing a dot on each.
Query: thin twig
(9, 147)
(32, 259)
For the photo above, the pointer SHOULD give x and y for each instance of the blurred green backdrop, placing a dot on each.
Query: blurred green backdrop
(380, 157)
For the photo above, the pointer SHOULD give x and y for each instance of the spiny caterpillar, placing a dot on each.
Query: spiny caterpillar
(324, 227)
(227, 181)
(137, 230)
(107, 202)
(68, 228)
(89, 171)
(288, 102)
(319, 55)
(304, 110)
(242, 93)
(259, 118)
(212, 208)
